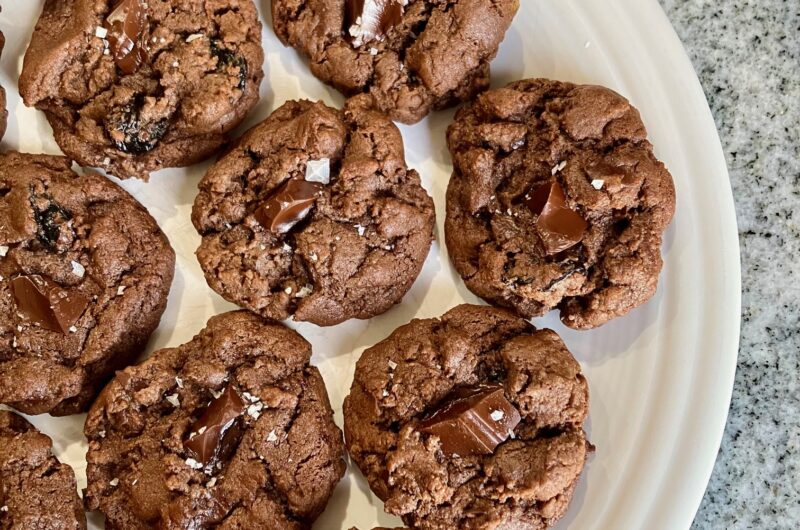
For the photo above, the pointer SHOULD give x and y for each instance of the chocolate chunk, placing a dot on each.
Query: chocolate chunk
(125, 26)
(559, 227)
(288, 206)
(473, 420)
(366, 20)
(129, 132)
(218, 431)
(45, 302)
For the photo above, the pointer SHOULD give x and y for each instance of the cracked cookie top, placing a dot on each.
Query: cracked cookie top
(413, 56)
(314, 214)
(230, 430)
(84, 278)
(36, 490)
(404, 383)
(134, 86)
(556, 201)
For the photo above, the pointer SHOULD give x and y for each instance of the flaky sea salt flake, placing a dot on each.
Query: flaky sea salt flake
(78, 269)
(174, 400)
(319, 171)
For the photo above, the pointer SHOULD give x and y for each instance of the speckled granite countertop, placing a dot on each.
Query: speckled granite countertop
(747, 54)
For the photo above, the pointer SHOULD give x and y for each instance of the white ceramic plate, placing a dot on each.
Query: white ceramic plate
(660, 378)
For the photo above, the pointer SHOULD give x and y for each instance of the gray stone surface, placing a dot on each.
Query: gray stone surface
(747, 54)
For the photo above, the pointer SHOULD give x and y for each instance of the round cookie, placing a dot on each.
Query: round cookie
(470, 421)
(134, 86)
(84, 278)
(36, 490)
(314, 214)
(556, 201)
(230, 430)
(413, 56)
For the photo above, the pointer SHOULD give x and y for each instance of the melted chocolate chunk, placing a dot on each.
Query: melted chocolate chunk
(129, 133)
(48, 222)
(366, 20)
(43, 301)
(218, 431)
(472, 420)
(559, 227)
(125, 26)
(227, 59)
(288, 206)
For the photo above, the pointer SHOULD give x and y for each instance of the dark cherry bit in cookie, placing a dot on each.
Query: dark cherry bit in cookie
(230, 430)
(134, 86)
(84, 278)
(470, 421)
(315, 215)
(413, 56)
(36, 490)
(557, 202)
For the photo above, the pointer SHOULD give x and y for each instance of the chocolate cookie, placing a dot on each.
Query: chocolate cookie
(314, 214)
(134, 86)
(36, 490)
(413, 56)
(556, 201)
(84, 278)
(230, 430)
(469, 421)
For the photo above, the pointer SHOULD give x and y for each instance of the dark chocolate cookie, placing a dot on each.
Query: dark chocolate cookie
(230, 430)
(469, 421)
(134, 86)
(413, 56)
(36, 490)
(84, 278)
(314, 214)
(556, 201)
